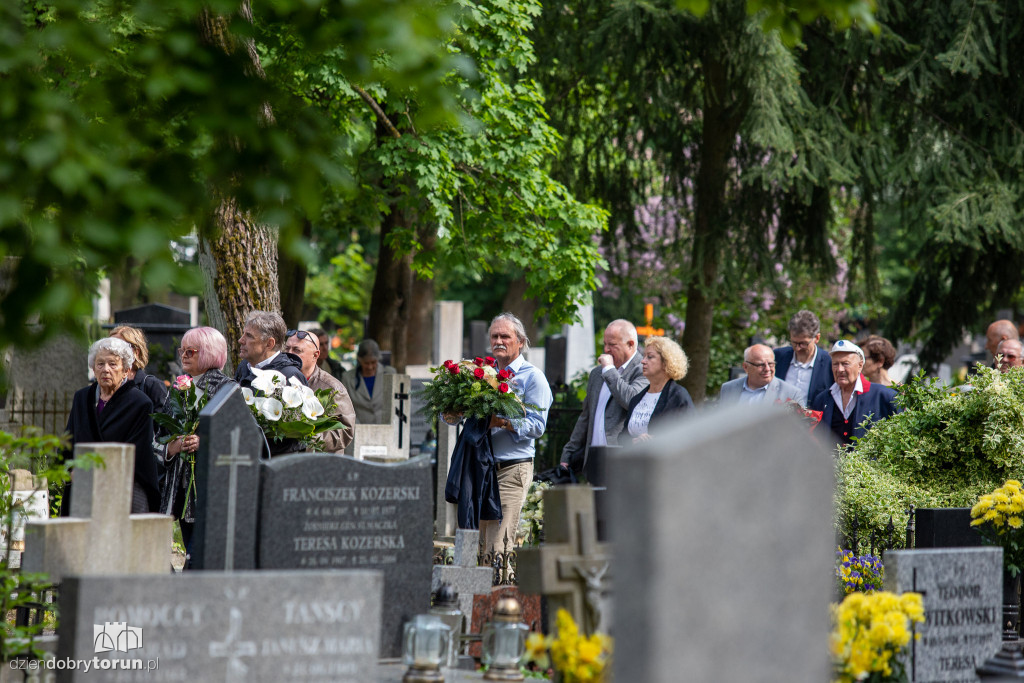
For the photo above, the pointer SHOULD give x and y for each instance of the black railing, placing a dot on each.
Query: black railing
(875, 543)
(562, 417)
(47, 410)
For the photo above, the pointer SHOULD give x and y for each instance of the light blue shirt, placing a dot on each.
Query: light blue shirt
(532, 386)
(753, 395)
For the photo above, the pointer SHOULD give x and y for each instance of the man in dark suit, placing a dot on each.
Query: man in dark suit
(804, 364)
(617, 378)
(852, 398)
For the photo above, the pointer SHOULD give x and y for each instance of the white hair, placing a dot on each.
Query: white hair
(517, 325)
(118, 347)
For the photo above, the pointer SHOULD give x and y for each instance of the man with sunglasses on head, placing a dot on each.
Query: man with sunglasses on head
(306, 346)
(803, 363)
(760, 385)
(262, 346)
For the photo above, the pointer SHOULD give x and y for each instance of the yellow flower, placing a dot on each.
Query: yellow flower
(537, 650)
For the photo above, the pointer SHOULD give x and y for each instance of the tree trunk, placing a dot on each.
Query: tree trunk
(239, 264)
(419, 335)
(391, 297)
(291, 282)
(238, 257)
(720, 125)
(525, 309)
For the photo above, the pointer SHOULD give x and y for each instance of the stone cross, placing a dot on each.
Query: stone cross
(234, 650)
(401, 395)
(571, 568)
(389, 441)
(234, 461)
(100, 537)
(464, 575)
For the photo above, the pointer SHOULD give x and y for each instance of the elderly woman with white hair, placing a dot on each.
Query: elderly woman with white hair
(114, 409)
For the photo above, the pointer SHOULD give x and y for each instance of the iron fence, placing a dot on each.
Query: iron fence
(874, 543)
(47, 410)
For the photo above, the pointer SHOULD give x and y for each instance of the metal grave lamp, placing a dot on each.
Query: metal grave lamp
(504, 642)
(425, 648)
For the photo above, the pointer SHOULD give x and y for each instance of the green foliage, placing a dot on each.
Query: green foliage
(121, 125)
(341, 292)
(790, 16)
(944, 450)
(39, 454)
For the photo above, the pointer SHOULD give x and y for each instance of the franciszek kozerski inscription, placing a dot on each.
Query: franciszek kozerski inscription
(335, 512)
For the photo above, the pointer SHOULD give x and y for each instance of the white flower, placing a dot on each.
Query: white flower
(489, 371)
(294, 381)
(267, 380)
(307, 392)
(247, 395)
(311, 408)
(272, 409)
(291, 396)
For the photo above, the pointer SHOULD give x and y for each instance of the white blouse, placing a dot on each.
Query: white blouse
(641, 416)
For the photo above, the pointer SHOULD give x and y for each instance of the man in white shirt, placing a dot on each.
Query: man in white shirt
(760, 385)
(803, 363)
(617, 378)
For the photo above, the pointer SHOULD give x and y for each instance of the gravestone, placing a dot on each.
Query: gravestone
(579, 342)
(447, 331)
(465, 576)
(390, 441)
(335, 512)
(570, 568)
(722, 529)
(237, 627)
(554, 359)
(227, 484)
(39, 384)
(29, 500)
(479, 339)
(945, 528)
(100, 537)
(962, 590)
(446, 519)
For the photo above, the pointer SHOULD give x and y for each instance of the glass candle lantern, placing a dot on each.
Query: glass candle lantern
(504, 642)
(424, 648)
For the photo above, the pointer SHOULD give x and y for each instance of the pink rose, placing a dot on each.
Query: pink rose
(182, 382)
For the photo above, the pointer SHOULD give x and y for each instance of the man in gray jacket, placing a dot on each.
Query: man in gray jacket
(760, 385)
(612, 385)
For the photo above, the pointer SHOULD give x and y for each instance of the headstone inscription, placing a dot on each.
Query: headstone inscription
(465, 576)
(735, 508)
(335, 512)
(100, 537)
(571, 568)
(962, 589)
(236, 627)
(227, 484)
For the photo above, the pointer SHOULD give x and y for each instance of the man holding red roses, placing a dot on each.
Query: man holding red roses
(513, 442)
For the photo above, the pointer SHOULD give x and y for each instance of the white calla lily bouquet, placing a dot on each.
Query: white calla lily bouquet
(288, 409)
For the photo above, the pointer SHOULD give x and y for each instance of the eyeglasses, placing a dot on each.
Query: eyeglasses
(302, 334)
(761, 366)
(800, 344)
(187, 353)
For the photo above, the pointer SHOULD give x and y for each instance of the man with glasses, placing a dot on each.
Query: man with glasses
(306, 346)
(760, 385)
(804, 364)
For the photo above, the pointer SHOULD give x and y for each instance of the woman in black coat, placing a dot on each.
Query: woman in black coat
(203, 353)
(663, 401)
(113, 409)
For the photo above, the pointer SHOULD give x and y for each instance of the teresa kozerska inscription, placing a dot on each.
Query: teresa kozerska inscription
(331, 494)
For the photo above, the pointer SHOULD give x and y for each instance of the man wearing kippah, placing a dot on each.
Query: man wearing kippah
(852, 399)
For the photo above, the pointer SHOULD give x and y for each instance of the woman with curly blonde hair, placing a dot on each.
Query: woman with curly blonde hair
(664, 400)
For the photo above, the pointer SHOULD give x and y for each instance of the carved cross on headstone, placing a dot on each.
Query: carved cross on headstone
(401, 396)
(571, 568)
(234, 649)
(100, 537)
(234, 461)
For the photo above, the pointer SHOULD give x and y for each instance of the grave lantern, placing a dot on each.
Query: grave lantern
(504, 642)
(446, 607)
(424, 648)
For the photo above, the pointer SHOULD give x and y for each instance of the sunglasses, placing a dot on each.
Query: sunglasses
(187, 354)
(302, 334)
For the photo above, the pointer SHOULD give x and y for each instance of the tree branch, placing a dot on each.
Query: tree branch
(381, 116)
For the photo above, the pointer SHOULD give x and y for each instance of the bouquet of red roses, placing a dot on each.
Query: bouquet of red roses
(809, 417)
(474, 388)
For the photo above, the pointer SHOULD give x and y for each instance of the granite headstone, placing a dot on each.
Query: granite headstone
(722, 529)
(464, 575)
(227, 484)
(238, 627)
(335, 512)
(945, 528)
(962, 589)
